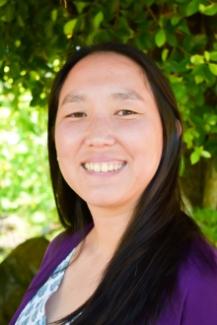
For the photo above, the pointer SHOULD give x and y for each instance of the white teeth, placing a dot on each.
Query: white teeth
(103, 167)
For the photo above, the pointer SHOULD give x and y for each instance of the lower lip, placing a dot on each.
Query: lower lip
(104, 174)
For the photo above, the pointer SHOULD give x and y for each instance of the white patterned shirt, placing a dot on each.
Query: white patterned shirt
(34, 312)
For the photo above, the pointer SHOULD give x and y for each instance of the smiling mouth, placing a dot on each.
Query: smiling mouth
(104, 167)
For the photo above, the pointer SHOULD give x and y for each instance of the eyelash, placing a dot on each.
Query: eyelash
(129, 112)
(74, 114)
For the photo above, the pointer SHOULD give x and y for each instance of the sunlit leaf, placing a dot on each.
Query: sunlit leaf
(160, 38)
(69, 27)
(97, 20)
(164, 54)
(206, 154)
(197, 59)
(213, 55)
(3, 2)
(80, 5)
(213, 68)
(54, 15)
(209, 10)
(191, 8)
(207, 55)
(196, 154)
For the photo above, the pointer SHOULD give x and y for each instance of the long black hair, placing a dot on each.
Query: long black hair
(142, 274)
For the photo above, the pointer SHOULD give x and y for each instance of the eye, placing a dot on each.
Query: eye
(76, 115)
(126, 112)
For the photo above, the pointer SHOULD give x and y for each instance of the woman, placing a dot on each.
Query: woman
(129, 254)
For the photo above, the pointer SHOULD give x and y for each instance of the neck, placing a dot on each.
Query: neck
(108, 229)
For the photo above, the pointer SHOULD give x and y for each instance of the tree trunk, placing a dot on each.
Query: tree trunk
(210, 185)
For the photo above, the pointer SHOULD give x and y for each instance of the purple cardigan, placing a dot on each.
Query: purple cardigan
(194, 300)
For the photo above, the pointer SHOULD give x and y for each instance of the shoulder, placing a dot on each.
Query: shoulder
(48, 263)
(194, 300)
(56, 244)
(63, 243)
(57, 250)
(198, 282)
(201, 264)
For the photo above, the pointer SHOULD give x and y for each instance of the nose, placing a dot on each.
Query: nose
(99, 134)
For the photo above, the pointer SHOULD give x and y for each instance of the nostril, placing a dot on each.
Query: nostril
(100, 140)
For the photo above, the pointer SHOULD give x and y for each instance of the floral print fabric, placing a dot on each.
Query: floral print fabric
(34, 312)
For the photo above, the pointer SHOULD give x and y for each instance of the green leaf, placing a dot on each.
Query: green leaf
(123, 30)
(197, 59)
(188, 139)
(160, 38)
(54, 14)
(175, 20)
(206, 154)
(69, 27)
(97, 20)
(189, 136)
(213, 68)
(199, 79)
(209, 10)
(17, 43)
(191, 8)
(195, 157)
(196, 154)
(207, 56)
(213, 55)
(80, 6)
(212, 119)
(164, 54)
(171, 39)
(8, 15)
(3, 2)
(182, 166)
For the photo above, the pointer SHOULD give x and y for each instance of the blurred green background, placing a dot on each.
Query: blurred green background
(180, 35)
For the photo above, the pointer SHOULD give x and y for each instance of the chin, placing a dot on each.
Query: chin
(103, 202)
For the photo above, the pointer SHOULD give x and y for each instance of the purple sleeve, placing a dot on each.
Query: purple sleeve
(39, 277)
(201, 300)
(194, 301)
(57, 250)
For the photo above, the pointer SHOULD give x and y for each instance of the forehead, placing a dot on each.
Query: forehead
(102, 67)
(107, 60)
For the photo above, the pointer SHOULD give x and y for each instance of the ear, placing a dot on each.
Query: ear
(179, 128)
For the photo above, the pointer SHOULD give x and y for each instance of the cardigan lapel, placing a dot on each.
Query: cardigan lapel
(57, 250)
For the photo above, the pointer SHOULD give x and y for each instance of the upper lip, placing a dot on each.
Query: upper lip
(102, 159)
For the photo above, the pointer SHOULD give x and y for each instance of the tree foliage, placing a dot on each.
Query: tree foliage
(180, 35)
(36, 36)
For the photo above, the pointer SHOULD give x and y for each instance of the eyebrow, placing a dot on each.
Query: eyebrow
(73, 98)
(126, 94)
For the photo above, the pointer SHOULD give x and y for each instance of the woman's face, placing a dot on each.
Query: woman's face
(108, 131)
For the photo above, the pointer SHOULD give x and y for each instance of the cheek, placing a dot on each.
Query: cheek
(146, 146)
(154, 145)
(145, 135)
(65, 148)
(66, 139)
